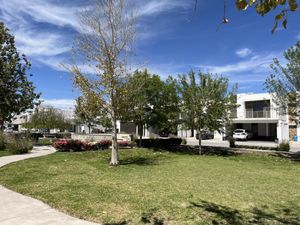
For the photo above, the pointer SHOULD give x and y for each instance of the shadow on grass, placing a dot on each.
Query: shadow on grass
(139, 160)
(226, 215)
(194, 150)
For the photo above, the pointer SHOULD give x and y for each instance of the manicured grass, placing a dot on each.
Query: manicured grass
(4, 153)
(163, 188)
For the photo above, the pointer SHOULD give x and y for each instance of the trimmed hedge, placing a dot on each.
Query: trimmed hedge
(159, 142)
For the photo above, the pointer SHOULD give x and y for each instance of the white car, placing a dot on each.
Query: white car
(241, 134)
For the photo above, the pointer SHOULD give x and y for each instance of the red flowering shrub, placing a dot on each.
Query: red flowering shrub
(69, 145)
(61, 145)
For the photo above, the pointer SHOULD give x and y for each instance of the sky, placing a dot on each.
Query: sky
(170, 39)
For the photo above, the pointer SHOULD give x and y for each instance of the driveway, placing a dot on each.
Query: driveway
(295, 146)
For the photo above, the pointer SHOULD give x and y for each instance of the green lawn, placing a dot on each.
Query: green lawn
(163, 188)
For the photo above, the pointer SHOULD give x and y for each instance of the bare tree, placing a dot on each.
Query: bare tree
(106, 40)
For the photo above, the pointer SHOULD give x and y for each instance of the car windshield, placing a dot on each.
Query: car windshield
(238, 131)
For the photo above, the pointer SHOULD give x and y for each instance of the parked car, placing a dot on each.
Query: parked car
(242, 134)
(205, 135)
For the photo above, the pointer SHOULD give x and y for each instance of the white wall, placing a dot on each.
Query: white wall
(242, 98)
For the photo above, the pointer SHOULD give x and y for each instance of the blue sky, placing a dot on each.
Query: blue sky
(168, 41)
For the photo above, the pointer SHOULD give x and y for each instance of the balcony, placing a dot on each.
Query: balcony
(258, 114)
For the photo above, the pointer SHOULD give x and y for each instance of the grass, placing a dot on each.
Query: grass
(162, 188)
(4, 153)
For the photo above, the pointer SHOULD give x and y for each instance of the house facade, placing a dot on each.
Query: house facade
(259, 114)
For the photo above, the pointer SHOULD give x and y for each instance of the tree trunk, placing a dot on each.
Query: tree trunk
(140, 134)
(200, 140)
(1, 125)
(114, 150)
(192, 132)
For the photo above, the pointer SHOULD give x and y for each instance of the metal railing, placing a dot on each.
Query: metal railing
(258, 114)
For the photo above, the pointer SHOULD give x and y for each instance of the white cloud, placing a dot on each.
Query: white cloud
(40, 44)
(257, 63)
(60, 103)
(41, 11)
(157, 6)
(243, 52)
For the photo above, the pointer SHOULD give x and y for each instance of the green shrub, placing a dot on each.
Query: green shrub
(160, 142)
(45, 141)
(183, 142)
(19, 145)
(2, 141)
(284, 146)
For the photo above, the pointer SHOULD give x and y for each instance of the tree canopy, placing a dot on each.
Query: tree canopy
(48, 118)
(284, 82)
(104, 45)
(17, 93)
(206, 100)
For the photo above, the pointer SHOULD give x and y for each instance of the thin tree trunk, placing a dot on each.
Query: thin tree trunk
(114, 150)
(140, 135)
(200, 144)
(192, 131)
(1, 125)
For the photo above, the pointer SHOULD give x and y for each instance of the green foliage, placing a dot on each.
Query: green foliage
(18, 145)
(153, 102)
(48, 118)
(206, 102)
(263, 7)
(160, 143)
(17, 93)
(2, 141)
(284, 82)
(89, 111)
(284, 146)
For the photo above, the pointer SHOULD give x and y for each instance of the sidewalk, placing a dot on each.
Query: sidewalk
(22, 210)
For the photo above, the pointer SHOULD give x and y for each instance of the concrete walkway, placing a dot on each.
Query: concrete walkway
(17, 209)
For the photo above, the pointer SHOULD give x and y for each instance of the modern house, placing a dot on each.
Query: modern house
(259, 114)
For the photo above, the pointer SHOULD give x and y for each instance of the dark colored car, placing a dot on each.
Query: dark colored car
(205, 135)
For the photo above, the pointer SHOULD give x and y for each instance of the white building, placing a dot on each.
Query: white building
(259, 114)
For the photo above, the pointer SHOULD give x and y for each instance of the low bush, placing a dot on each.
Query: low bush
(69, 145)
(284, 146)
(18, 145)
(2, 141)
(160, 142)
(45, 141)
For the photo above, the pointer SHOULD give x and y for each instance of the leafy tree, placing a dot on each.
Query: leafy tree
(17, 94)
(284, 82)
(104, 45)
(88, 110)
(263, 7)
(48, 118)
(153, 102)
(207, 101)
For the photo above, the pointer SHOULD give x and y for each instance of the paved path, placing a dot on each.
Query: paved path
(17, 209)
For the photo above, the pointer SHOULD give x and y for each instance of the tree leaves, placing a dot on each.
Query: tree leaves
(17, 94)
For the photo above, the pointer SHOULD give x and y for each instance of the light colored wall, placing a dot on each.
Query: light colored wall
(99, 137)
(242, 98)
